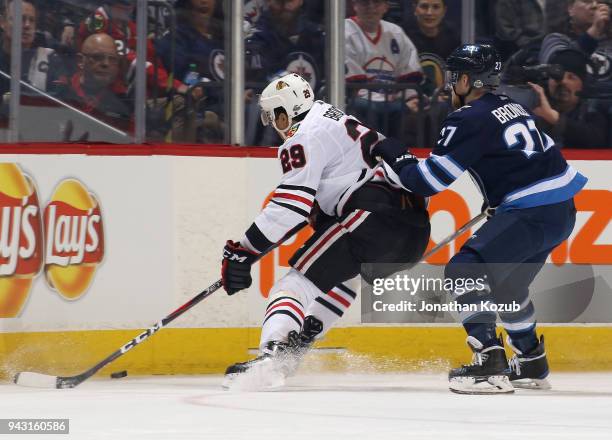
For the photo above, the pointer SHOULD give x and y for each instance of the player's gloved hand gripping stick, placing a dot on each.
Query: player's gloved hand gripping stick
(232, 253)
(236, 267)
(237, 264)
(394, 153)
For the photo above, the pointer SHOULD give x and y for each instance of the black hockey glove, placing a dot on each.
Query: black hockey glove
(401, 161)
(388, 149)
(236, 267)
(394, 153)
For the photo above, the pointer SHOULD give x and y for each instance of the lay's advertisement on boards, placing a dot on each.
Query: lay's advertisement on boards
(58, 226)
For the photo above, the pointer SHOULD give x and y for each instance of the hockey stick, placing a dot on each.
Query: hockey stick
(368, 268)
(454, 235)
(30, 379)
(39, 380)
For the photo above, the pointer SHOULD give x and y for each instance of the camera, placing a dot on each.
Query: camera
(521, 75)
(515, 78)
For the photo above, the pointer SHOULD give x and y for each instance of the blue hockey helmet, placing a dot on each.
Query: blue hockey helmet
(480, 62)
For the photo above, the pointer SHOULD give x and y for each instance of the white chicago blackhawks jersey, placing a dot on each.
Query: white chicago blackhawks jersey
(387, 56)
(326, 158)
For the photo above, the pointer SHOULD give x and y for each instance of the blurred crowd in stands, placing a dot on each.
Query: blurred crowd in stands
(557, 62)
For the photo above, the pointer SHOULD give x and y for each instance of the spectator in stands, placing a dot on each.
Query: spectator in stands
(40, 65)
(601, 60)
(587, 23)
(198, 40)
(253, 10)
(284, 40)
(198, 49)
(563, 113)
(555, 14)
(116, 20)
(432, 34)
(57, 25)
(96, 87)
(314, 10)
(66, 39)
(380, 51)
(518, 23)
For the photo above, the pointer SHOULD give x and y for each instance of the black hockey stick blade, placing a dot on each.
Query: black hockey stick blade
(39, 380)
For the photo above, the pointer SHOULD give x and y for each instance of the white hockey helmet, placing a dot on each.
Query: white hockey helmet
(290, 92)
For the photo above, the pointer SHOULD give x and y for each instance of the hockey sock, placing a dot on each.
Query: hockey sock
(477, 320)
(484, 332)
(330, 307)
(525, 340)
(521, 327)
(283, 314)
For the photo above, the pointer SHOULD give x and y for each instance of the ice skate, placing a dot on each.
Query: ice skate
(487, 374)
(266, 371)
(277, 361)
(529, 370)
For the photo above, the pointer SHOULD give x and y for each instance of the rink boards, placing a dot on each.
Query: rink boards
(114, 238)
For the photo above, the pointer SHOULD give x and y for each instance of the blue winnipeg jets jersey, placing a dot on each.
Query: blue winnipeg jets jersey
(270, 52)
(496, 140)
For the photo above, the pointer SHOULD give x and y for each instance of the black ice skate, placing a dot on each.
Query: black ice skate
(277, 361)
(529, 370)
(487, 374)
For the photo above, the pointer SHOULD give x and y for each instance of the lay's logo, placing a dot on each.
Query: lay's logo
(74, 239)
(21, 253)
(67, 239)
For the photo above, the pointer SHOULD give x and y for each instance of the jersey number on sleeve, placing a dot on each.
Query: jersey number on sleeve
(367, 139)
(292, 158)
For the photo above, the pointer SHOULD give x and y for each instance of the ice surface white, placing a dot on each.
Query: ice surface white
(320, 407)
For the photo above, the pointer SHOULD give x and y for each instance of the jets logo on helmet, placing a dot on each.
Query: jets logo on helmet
(471, 49)
(480, 62)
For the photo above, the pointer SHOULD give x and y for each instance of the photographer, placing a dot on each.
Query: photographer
(562, 112)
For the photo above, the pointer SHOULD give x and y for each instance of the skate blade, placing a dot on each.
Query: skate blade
(532, 384)
(481, 385)
(262, 377)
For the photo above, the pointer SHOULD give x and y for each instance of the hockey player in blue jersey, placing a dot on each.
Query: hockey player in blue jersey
(528, 189)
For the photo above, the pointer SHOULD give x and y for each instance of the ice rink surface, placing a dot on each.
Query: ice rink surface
(317, 407)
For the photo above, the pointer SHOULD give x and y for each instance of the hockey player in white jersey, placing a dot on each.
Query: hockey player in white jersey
(329, 177)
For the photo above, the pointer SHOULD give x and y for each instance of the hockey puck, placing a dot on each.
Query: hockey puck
(119, 374)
